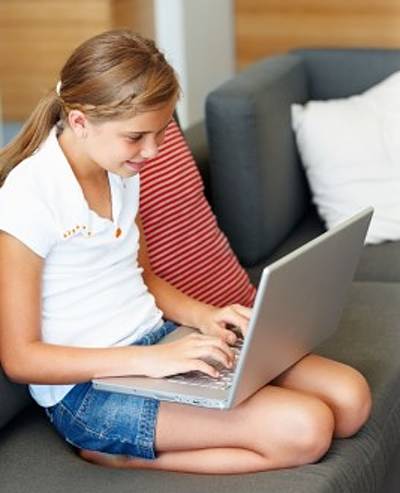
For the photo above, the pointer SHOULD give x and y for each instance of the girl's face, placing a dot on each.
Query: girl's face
(123, 146)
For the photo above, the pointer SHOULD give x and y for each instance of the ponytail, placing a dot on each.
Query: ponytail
(33, 133)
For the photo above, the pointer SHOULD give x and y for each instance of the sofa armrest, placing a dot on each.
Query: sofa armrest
(258, 187)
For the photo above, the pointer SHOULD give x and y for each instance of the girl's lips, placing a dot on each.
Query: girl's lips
(135, 166)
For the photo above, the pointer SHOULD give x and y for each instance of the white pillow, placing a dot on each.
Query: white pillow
(350, 149)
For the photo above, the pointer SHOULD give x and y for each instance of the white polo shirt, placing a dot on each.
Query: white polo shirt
(93, 294)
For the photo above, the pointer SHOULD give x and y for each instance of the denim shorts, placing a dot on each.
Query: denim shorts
(110, 422)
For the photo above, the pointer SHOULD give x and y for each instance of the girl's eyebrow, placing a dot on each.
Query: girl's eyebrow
(143, 132)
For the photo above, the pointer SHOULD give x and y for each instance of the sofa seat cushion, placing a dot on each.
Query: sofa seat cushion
(34, 459)
(378, 263)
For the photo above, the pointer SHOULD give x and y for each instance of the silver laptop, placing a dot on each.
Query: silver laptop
(298, 305)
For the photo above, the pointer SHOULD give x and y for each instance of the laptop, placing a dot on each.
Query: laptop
(298, 305)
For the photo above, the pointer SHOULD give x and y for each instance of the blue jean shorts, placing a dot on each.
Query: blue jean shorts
(110, 422)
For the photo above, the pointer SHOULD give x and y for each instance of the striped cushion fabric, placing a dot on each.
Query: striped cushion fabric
(185, 245)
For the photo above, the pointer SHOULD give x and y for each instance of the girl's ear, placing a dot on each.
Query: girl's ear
(78, 123)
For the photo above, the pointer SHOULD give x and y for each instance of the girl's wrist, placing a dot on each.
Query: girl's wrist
(204, 315)
(140, 360)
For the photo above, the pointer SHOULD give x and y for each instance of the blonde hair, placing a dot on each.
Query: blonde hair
(114, 75)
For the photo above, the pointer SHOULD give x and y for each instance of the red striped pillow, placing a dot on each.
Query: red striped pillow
(185, 245)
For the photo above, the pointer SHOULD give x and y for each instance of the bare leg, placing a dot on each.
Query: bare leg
(343, 388)
(207, 461)
(275, 428)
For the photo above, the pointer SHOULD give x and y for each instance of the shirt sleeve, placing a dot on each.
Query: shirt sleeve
(25, 216)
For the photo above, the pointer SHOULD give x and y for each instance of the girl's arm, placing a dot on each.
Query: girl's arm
(23, 355)
(185, 310)
(26, 358)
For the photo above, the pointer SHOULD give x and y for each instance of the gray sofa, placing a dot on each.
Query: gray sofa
(259, 194)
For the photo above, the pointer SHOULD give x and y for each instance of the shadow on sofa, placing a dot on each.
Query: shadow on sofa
(258, 191)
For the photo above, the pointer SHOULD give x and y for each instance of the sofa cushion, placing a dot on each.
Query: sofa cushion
(185, 245)
(35, 460)
(379, 263)
(349, 148)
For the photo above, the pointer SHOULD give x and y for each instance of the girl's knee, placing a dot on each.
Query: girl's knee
(315, 432)
(352, 402)
(308, 436)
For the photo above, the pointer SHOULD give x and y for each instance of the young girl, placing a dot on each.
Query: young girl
(79, 299)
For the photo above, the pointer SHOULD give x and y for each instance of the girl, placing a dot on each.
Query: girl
(79, 299)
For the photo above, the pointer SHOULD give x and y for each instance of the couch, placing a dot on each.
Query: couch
(254, 181)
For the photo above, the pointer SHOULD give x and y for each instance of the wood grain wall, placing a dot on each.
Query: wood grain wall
(265, 27)
(36, 36)
(134, 14)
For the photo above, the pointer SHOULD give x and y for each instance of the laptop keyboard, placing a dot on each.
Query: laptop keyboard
(223, 382)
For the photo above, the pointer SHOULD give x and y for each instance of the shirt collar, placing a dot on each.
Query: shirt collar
(64, 193)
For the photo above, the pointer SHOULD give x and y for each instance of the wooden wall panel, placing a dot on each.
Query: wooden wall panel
(36, 37)
(134, 14)
(266, 27)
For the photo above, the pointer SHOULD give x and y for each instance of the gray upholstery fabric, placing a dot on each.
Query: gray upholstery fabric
(13, 398)
(307, 229)
(341, 73)
(379, 263)
(197, 140)
(257, 184)
(368, 339)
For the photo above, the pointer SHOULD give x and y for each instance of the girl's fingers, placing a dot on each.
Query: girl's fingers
(214, 356)
(216, 342)
(210, 348)
(227, 335)
(236, 315)
(203, 367)
(233, 318)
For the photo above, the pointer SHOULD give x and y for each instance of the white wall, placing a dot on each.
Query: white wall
(197, 37)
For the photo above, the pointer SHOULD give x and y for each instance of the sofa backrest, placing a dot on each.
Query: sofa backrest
(334, 73)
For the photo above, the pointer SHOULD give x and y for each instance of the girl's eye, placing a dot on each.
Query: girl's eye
(135, 139)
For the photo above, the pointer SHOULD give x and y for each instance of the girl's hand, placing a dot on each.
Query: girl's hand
(190, 353)
(219, 322)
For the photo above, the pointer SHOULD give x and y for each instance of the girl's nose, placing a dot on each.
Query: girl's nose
(149, 149)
